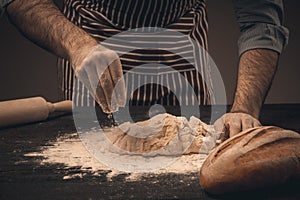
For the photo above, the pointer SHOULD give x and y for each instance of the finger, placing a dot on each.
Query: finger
(95, 88)
(101, 99)
(225, 133)
(108, 88)
(256, 123)
(116, 72)
(83, 77)
(89, 67)
(120, 92)
(247, 123)
(235, 127)
(219, 124)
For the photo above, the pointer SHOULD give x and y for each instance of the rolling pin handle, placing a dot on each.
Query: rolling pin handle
(50, 107)
(63, 106)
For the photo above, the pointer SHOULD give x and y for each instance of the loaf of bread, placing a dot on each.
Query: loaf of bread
(255, 158)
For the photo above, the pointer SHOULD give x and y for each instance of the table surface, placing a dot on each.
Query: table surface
(22, 177)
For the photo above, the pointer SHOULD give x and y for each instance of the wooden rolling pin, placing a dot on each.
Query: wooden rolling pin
(28, 110)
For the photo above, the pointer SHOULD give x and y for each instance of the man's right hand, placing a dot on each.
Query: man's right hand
(96, 66)
(101, 72)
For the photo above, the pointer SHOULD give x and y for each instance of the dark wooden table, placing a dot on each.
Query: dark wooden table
(23, 177)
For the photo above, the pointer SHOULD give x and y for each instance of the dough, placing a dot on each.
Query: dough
(168, 134)
(255, 158)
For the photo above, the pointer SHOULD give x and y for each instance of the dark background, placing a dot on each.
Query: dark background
(27, 70)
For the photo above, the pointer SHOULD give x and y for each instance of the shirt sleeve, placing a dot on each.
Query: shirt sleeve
(260, 23)
(3, 4)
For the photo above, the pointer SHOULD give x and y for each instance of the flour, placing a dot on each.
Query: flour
(71, 151)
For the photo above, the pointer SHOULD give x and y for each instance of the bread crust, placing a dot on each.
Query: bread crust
(255, 158)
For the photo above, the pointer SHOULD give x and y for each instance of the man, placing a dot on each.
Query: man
(75, 37)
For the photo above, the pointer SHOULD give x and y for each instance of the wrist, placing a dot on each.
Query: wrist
(80, 50)
(251, 110)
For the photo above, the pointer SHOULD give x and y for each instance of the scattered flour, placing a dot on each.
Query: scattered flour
(70, 151)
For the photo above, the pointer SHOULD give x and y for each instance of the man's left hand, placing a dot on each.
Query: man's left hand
(231, 124)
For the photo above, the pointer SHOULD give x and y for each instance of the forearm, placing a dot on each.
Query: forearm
(256, 71)
(43, 23)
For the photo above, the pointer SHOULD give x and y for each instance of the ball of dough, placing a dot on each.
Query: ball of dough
(255, 158)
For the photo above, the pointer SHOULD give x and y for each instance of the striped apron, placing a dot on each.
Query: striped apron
(164, 76)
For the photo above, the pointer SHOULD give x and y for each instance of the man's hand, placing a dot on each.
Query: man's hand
(256, 71)
(231, 124)
(101, 72)
(43, 23)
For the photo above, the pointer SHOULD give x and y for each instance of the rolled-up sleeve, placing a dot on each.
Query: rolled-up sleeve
(260, 23)
(3, 4)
